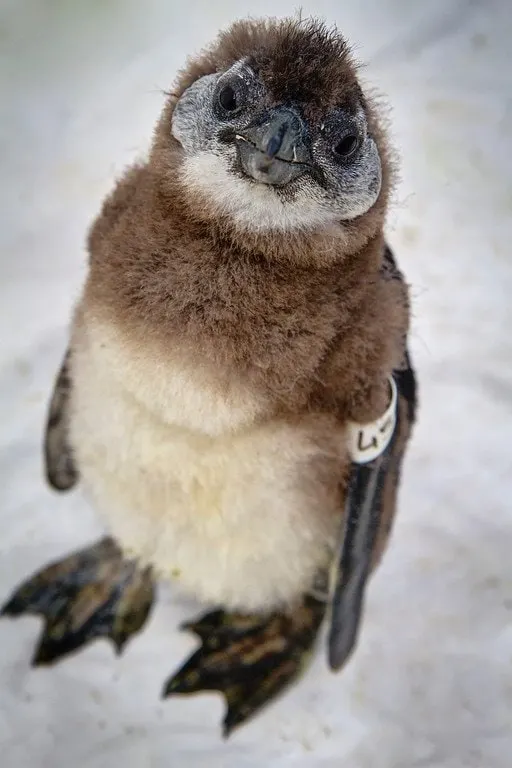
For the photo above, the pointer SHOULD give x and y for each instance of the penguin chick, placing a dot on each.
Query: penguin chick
(237, 321)
(231, 316)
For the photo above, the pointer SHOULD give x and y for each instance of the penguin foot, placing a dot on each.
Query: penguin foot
(92, 593)
(250, 659)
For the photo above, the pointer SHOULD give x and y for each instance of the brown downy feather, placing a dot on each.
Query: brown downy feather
(303, 318)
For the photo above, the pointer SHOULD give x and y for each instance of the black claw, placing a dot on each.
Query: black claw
(49, 651)
(33, 597)
(43, 655)
(230, 722)
(12, 608)
(187, 679)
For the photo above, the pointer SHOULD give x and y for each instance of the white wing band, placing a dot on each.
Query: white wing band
(367, 441)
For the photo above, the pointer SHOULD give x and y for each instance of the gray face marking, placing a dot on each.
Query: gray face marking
(355, 188)
(193, 121)
(343, 190)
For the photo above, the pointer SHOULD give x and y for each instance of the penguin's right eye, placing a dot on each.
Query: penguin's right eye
(230, 98)
(227, 99)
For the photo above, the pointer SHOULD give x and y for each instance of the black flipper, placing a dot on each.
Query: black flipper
(365, 511)
(61, 470)
(92, 593)
(370, 508)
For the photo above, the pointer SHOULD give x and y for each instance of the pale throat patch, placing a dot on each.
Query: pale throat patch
(253, 206)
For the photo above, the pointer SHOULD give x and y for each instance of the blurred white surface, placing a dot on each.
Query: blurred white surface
(431, 682)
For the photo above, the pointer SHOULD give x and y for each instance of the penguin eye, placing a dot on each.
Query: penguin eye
(230, 98)
(347, 146)
(227, 99)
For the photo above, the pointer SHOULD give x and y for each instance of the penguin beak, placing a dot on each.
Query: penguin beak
(273, 150)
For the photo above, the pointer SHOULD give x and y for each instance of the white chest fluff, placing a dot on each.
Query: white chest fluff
(190, 476)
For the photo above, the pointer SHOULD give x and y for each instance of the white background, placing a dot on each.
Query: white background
(431, 682)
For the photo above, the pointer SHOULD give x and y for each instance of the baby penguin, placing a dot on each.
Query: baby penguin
(237, 395)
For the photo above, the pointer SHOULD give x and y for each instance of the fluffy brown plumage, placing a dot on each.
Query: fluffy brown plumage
(241, 313)
(303, 317)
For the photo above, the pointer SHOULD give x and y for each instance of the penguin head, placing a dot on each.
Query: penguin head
(271, 130)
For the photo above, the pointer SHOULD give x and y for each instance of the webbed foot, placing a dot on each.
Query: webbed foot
(92, 593)
(250, 659)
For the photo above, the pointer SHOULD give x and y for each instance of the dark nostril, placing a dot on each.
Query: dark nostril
(275, 142)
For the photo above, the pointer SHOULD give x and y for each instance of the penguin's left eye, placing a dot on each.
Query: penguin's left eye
(343, 135)
(347, 147)
(230, 97)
